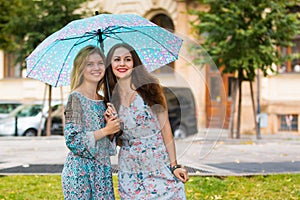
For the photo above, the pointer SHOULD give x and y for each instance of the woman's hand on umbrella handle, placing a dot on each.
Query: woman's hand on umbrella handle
(110, 111)
(112, 125)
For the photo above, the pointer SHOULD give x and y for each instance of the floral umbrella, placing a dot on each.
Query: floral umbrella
(52, 61)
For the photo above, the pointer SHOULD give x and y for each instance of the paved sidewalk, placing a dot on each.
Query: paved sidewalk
(219, 155)
(207, 153)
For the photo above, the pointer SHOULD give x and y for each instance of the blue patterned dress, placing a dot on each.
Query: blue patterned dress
(144, 165)
(87, 169)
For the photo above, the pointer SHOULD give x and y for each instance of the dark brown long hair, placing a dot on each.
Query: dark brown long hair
(142, 81)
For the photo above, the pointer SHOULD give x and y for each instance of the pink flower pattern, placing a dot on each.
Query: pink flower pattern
(144, 171)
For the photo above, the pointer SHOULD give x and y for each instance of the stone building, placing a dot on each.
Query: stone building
(279, 95)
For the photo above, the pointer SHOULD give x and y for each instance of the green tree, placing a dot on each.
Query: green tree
(243, 36)
(26, 23)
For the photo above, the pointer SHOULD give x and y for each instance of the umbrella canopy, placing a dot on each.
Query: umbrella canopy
(52, 61)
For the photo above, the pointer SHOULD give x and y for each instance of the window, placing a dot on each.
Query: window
(296, 50)
(166, 22)
(11, 69)
(6, 108)
(288, 122)
(214, 89)
(292, 65)
(231, 85)
(30, 111)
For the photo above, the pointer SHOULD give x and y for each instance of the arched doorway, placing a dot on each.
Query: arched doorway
(219, 97)
(166, 22)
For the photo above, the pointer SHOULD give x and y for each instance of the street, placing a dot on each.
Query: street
(209, 154)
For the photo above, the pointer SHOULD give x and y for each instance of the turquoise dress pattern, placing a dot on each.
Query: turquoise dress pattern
(87, 169)
(144, 165)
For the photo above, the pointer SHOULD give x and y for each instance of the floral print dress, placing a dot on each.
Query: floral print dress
(87, 169)
(144, 165)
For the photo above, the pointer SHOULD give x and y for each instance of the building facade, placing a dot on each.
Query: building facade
(213, 92)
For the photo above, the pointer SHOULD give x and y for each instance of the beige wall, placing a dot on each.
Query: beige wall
(1, 64)
(185, 73)
(26, 90)
(279, 96)
(282, 87)
(248, 118)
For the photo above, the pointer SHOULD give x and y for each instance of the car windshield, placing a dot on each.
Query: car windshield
(8, 107)
(27, 110)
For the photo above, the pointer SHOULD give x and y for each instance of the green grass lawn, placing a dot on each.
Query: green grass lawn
(272, 187)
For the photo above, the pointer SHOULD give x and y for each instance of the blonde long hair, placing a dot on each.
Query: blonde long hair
(79, 65)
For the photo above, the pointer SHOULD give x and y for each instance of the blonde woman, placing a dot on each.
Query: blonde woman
(87, 169)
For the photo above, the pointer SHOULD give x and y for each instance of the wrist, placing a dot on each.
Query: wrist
(175, 167)
(103, 132)
(172, 164)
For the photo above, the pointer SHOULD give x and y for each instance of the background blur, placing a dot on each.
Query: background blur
(213, 91)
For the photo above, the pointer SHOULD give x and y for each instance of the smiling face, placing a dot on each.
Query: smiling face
(122, 62)
(94, 68)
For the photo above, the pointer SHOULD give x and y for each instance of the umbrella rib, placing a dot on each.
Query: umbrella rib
(63, 65)
(115, 29)
(84, 40)
(41, 57)
(69, 54)
(116, 37)
(158, 42)
(111, 31)
(87, 34)
(79, 37)
(134, 30)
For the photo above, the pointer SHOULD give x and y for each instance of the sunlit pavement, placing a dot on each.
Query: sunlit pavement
(209, 153)
(215, 153)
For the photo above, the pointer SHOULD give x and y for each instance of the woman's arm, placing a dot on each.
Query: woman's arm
(169, 142)
(112, 126)
(167, 136)
(76, 137)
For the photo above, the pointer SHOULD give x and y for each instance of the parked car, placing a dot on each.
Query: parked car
(6, 107)
(56, 120)
(181, 110)
(25, 120)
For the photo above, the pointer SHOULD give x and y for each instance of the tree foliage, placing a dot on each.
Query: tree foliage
(25, 23)
(243, 35)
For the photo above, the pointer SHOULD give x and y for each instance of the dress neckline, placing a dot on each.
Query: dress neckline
(100, 100)
(131, 104)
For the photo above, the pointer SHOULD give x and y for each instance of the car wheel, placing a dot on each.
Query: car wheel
(180, 132)
(30, 133)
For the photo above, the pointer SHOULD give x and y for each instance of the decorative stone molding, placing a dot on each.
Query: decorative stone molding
(147, 9)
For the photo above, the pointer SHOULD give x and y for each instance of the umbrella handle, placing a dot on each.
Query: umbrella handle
(100, 39)
(108, 88)
(99, 32)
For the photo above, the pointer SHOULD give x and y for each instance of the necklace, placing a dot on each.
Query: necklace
(127, 97)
